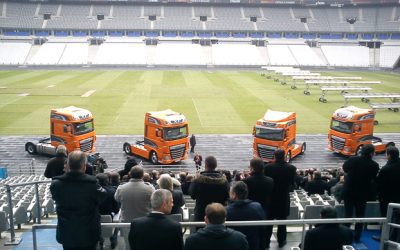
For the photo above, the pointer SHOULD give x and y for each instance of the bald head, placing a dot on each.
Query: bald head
(77, 161)
(215, 214)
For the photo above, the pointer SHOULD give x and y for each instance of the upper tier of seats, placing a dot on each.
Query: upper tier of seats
(226, 18)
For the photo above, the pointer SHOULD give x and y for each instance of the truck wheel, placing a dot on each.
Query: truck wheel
(127, 148)
(303, 148)
(153, 157)
(359, 150)
(288, 156)
(30, 147)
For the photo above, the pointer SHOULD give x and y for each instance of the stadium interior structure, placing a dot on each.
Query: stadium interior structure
(199, 34)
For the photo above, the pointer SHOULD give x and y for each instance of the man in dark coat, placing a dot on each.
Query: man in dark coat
(243, 209)
(360, 174)
(156, 231)
(55, 166)
(388, 181)
(192, 143)
(215, 236)
(209, 186)
(317, 185)
(78, 197)
(328, 236)
(260, 189)
(283, 175)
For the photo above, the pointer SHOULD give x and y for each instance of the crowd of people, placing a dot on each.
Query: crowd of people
(261, 193)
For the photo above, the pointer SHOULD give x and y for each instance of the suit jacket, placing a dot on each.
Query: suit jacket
(55, 166)
(359, 180)
(316, 186)
(260, 190)
(283, 175)
(154, 232)
(388, 182)
(134, 197)
(328, 237)
(78, 197)
(216, 237)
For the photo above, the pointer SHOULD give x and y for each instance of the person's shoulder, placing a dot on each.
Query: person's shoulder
(237, 235)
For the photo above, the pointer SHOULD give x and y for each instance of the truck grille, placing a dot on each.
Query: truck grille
(266, 152)
(177, 151)
(86, 145)
(337, 142)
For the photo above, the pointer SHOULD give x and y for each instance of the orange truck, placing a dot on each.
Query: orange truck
(276, 130)
(351, 128)
(70, 126)
(165, 138)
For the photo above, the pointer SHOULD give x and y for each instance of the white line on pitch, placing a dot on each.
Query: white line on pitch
(89, 93)
(23, 94)
(197, 111)
(51, 86)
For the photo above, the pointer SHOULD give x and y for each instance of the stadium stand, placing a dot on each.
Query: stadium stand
(234, 54)
(14, 52)
(121, 53)
(179, 54)
(75, 53)
(281, 55)
(353, 56)
(389, 56)
(305, 56)
(49, 53)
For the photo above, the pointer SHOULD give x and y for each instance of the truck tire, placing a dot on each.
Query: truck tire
(127, 148)
(288, 157)
(303, 148)
(30, 148)
(153, 157)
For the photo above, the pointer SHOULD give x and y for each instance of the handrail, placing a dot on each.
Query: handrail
(385, 235)
(8, 187)
(233, 223)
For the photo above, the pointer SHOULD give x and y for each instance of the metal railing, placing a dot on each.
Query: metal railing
(13, 240)
(385, 235)
(381, 220)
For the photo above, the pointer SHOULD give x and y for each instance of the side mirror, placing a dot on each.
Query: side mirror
(254, 131)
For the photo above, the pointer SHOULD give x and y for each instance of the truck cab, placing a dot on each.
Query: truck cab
(351, 128)
(165, 138)
(276, 130)
(70, 126)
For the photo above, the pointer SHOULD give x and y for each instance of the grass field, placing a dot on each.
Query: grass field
(227, 102)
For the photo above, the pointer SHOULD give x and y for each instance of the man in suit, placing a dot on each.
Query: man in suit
(215, 236)
(78, 197)
(328, 236)
(360, 174)
(260, 189)
(156, 231)
(317, 185)
(283, 175)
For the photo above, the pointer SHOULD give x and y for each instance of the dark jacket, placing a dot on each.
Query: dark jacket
(55, 166)
(155, 232)
(78, 197)
(206, 188)
(179, 201)
(216, 237)
(109, 205)
(283, 175)
(359, 179)
(245, 210)
(388, 181)
(192, 140)
(316, 186)
(260, 190)
(328, 237)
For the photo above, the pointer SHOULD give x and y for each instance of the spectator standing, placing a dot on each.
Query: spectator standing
(361, 172)
(328, 236)
(78, 197)
(55, 166)
(317, 185)
(165, 182)
(283, 175)
(215, 236)
(130, 162)
(192, 143)
(156, 231)
(243, 209)
(109, 206)
(208, 187)
(134, 197)
(260, 189)
(388, 181)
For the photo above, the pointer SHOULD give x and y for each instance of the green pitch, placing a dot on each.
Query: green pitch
(227, 102)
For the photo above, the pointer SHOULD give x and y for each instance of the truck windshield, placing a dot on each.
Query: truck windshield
(175, 133)
(343, 127)
(270, 134)
(83, 127)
